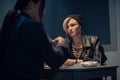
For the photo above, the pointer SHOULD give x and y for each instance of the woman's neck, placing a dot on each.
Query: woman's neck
(33, 16)
(77, 41)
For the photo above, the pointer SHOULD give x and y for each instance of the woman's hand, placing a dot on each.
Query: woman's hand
(59, 41)
(70, 62)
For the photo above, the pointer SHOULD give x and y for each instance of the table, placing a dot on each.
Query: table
(81, 73)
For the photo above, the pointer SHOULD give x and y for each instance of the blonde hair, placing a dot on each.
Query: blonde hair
(76, 17)
(65, 24)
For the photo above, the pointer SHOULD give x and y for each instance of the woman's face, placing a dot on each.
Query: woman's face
(73, 27)
(35, 10)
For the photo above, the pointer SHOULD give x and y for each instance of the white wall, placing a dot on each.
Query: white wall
(5, 5)
(114, 56)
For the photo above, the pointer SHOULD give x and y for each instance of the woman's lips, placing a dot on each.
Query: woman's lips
(72, 33)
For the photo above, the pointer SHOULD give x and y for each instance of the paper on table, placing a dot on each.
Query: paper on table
(89, 63)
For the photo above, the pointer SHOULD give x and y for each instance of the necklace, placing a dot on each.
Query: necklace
(77, 49)
(77, 52)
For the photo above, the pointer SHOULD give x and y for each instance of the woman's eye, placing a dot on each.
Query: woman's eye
(72, 25)
(67, 27)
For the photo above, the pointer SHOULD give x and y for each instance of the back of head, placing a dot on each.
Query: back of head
(13, 13)
(7, 29)
(21, 5)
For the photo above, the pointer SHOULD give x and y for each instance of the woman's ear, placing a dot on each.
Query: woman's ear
(30, 5)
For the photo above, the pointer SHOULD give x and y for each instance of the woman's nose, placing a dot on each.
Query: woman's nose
(70, 28)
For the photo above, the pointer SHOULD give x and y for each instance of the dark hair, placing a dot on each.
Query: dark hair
(21, 4)
(12, 14)
(10, 19)
(77, 17)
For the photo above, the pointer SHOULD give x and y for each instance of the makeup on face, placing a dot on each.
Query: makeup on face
(73, 27)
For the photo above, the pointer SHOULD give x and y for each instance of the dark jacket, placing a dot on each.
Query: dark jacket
(28, 48)
(92, 49)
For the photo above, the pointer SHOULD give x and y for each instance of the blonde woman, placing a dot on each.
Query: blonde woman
(82, 47)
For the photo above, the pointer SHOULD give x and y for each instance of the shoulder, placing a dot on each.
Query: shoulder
(28, 23)
(91, 38)
(28, 27)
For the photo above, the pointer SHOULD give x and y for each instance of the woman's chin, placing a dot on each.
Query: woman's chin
(72, 35)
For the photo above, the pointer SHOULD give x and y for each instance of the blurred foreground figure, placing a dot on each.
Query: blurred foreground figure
(24, 45)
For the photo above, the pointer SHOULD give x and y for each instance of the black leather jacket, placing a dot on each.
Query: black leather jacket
(92, 49)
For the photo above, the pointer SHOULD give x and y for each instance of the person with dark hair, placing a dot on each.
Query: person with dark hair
(24, 44)
(82, 47)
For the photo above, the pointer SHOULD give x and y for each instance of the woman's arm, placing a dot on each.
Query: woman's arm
(70, 62)
(99, 53)
(59, 41)
(48, 53)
